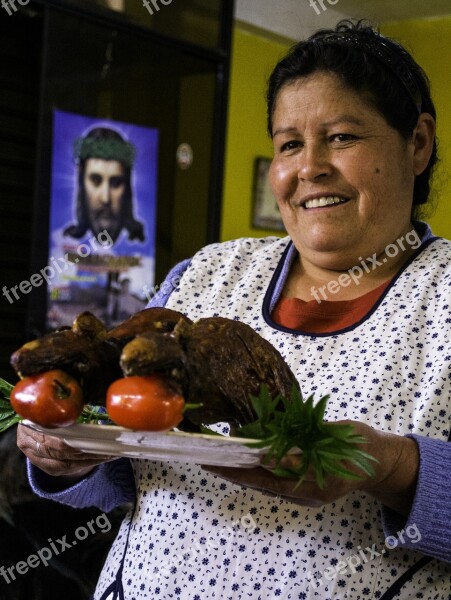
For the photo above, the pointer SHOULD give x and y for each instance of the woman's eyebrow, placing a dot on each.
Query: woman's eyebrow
(342, 119)
(284, 130)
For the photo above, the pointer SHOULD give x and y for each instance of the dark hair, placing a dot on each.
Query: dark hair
(373, 65)
(135, 228)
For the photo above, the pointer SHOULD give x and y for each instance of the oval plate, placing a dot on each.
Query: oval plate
(171, 446)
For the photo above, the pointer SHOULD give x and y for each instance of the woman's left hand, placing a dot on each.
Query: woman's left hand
(393, 483)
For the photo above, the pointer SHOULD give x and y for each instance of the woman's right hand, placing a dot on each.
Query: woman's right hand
(53, 456)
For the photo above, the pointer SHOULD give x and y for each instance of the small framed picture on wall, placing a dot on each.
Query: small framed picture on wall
(265, 212)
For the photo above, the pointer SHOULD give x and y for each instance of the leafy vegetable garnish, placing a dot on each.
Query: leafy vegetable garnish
(94, 414)
(283, 424)
(8, 416)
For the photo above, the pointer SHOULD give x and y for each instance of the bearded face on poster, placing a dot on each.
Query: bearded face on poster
(104, 197)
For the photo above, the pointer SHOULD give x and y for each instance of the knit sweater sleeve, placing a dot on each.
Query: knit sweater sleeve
(427, 526)
(110, 484)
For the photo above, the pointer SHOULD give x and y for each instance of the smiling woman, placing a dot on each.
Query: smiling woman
(340, 193)
(353, 126)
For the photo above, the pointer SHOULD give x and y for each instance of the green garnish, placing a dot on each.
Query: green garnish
(192, 406)
(283, 424)
(8, 416)
(93, 414)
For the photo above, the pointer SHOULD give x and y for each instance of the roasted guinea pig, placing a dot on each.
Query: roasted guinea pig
(88, 351)
(218, 362)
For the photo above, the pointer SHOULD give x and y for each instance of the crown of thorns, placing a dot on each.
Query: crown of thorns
(122, 151)
(381, 50)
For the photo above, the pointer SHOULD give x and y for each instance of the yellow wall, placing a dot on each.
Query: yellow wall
(253, 58)
(254, 55)
(428, 40)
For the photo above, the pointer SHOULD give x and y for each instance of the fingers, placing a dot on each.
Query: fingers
(308, 493)
(269, 485)
(53, 456)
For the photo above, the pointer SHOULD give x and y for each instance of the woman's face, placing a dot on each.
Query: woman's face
(342, 177)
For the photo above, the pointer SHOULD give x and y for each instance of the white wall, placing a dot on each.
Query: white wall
(297, 18)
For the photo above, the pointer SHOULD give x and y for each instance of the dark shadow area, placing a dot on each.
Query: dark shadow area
(28, 524)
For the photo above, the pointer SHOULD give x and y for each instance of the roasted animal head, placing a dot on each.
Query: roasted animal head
(219, 362)
(89, 352)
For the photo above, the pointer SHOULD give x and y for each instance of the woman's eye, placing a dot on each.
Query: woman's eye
(291, 145)
(342, 137)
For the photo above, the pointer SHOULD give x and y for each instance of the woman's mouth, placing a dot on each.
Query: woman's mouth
(324, 201)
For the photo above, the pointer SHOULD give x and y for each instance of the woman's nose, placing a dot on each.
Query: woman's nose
(314, 162)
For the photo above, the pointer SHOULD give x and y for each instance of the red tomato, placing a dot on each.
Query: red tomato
(147, 403)
(50, 399)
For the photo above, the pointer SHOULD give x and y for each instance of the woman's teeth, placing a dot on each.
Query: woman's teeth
(324, 201)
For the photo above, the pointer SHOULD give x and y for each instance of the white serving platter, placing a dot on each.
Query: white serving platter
(172, 446)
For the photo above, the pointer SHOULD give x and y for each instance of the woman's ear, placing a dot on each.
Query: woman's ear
(423, 141)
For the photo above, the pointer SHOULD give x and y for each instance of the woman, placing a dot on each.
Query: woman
(357, 301)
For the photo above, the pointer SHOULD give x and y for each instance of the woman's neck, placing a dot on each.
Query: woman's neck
(307, 280)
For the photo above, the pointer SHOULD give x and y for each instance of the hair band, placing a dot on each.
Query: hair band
(378, 48)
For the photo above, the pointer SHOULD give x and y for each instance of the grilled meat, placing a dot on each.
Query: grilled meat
(217, 362)
(89, 352)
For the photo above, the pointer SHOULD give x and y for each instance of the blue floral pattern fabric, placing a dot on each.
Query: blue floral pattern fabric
(196, 536)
